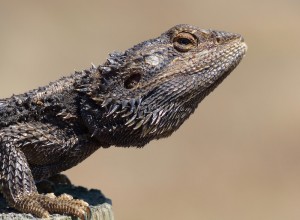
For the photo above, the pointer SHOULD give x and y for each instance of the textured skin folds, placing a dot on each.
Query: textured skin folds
(136, 96)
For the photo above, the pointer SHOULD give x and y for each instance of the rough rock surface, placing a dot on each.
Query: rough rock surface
(101, 207)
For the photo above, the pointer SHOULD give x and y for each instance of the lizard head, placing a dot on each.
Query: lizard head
(149, 90)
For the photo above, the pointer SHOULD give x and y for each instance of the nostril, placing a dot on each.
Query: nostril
(218, 39)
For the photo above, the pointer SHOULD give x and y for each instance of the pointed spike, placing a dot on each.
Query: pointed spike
(93, 66)
(139, 124)
(112, 109)
(97, 99)
(94, 133)
(106, 102)
(127, 114)
(153, 130)
(69, 116)
(160, 114)
(111, 60)
(82, 90)
(105, 69)
(157, 120)
(162, 130)
(60, 113)
(26, 143)
(146, 130)
(169, 127)
(121, 111)
(155, 115)
(171, 106)
(147, 118)
(131, 119)
(131, 124)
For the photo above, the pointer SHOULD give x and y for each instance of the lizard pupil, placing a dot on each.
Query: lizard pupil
(184, 41)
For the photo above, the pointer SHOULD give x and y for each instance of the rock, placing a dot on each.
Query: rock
(101, 206)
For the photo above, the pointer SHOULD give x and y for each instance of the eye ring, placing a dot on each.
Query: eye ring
(183, 42)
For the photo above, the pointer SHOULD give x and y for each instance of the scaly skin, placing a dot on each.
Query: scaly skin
(136, 96)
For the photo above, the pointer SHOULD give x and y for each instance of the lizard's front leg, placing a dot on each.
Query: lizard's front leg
(16, 178)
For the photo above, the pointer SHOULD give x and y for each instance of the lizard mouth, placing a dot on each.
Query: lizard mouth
(244, 45)
(240, 52)
(229, 57)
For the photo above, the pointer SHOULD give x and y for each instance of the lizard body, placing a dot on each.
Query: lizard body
(142, 94)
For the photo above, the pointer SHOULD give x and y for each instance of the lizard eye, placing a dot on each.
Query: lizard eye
(184, 42)
(132, 81)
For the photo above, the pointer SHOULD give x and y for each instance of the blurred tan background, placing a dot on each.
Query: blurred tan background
(236, 158)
